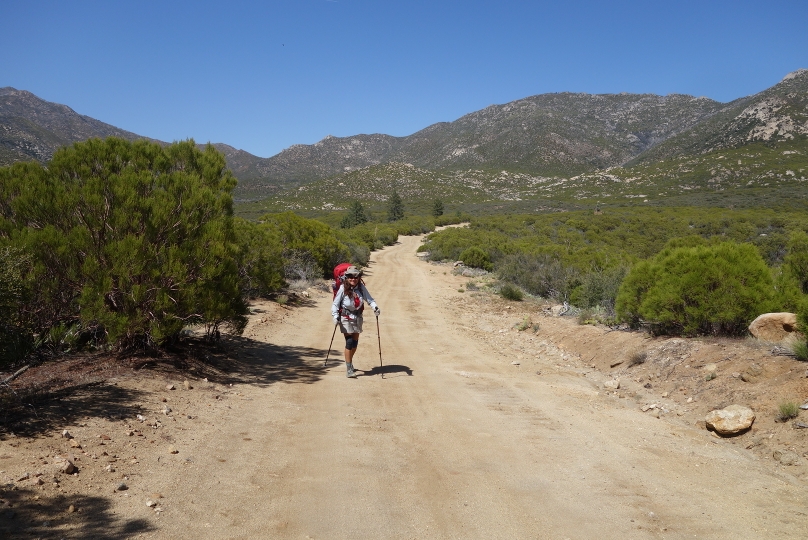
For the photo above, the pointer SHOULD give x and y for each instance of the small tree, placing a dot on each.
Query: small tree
(356, 216)
(437, 208)
(395, 207)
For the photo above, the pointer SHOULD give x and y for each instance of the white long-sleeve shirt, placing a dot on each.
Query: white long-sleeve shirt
(351, 307)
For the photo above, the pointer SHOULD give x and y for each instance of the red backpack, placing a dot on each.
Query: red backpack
(339, 276)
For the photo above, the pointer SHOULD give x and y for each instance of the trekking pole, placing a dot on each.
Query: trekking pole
(381, 364)
(329, 345)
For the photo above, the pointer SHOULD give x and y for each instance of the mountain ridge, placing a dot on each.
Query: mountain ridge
(574, 136)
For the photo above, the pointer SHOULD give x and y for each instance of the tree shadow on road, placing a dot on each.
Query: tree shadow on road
(264, 364)
(21, 515)
(37, 413)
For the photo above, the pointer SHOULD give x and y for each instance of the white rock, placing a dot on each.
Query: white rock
(66, 434)
(64, 465)
(730, 420)
(151, 504)
(613, 384)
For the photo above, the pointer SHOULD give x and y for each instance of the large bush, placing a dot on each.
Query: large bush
(134, 240)
(261, 263)
(15, 341)
(698, 290)
(475, 257)
(298, 236)
(540, 274)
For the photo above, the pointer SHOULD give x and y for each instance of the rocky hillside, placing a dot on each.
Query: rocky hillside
(548, 134)
(776, 115)
(566, 146)
(32, 128)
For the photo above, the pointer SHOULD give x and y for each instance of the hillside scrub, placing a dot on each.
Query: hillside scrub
(129, 242)
(583, 257)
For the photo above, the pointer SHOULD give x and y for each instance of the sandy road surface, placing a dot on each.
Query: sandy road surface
(454, 442)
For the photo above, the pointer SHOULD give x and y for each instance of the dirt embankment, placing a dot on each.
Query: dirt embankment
(488, 419)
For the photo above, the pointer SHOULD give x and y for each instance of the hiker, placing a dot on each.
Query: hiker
(349, 303)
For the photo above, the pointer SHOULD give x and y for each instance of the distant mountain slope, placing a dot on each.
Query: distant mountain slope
(547, 134)
(568, 147)
(775, 115)
(556, 133)
(32, 128)
(303, 163)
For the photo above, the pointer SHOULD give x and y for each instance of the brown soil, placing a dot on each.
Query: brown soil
(473, 428)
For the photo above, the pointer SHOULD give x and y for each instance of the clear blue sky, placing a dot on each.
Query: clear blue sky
(264, 75)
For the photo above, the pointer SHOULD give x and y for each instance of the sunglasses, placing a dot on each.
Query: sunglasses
(352, 277)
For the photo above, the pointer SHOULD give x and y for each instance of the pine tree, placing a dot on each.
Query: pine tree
(356, 216)
(395, 207)
(437, 208)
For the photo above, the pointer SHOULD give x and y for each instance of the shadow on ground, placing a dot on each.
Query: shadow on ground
(393, 370)
(22, 516)
(43, 412)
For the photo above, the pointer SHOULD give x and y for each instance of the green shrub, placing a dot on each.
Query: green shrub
(787, 410)
(800, 350)
(300, 235)
(586, 316)
(599, 288)
(524, 324)
(698, 290)
(261, 264)
(541, 275)
(133, 238)
(509, 292)
(476, 258)
(796, 259)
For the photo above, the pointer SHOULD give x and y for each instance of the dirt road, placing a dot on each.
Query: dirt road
(456, 442)
(471, 430)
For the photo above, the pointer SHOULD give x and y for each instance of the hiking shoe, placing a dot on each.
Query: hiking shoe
(350, 373)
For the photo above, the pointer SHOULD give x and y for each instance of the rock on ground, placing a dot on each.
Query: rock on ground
(774, 326)
(730, 420)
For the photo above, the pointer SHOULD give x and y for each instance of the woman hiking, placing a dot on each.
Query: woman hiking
(349, 303)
